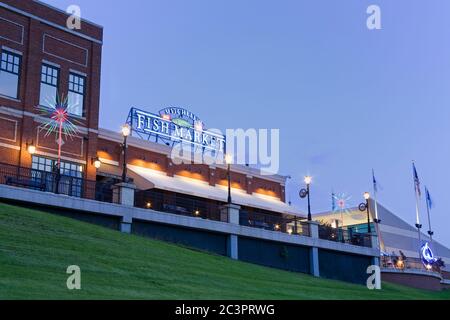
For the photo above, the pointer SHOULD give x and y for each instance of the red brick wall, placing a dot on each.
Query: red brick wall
(146, 159)
(269, 188)
(8, 155)
(109, 150)
(238, 180)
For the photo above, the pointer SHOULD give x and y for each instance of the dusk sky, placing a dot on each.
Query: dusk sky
(346, 99)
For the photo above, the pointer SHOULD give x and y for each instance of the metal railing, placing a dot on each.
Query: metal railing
(54, 182)
(403, 263)
(286, 224)
(179, 204)
(174, 203)
(345, 236)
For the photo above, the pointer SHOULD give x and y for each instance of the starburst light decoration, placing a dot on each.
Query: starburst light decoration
(58, 120)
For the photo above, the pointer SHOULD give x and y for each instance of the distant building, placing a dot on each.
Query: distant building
(396, 238)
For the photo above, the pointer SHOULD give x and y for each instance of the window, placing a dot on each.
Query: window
(67, 168)
(49, 85)
(9, 74)
(76, 94)
(70, 181)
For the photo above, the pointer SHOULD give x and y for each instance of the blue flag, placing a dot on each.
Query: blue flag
(429, 200)
(375, 184)
(416, 181)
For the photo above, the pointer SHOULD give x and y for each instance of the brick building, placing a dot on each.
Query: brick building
(41, 59)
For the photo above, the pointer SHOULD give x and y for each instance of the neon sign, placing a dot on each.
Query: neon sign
(427, 255)
(174, 126)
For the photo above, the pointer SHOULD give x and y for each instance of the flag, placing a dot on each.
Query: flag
(416, 181)
(333, 202)
(429, 200)
(375, 185)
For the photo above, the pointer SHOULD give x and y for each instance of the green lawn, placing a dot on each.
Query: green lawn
(36, 248)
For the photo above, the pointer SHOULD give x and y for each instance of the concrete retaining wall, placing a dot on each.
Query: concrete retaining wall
(219, 237)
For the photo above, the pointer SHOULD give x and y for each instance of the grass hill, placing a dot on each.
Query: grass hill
(36, 248)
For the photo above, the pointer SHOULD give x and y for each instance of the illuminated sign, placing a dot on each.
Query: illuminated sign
(427, 255)
(173, 126)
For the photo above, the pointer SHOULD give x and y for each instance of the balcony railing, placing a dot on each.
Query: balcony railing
(406, 263)
(286, 224)
(179, 204)
(344, 236)
(55, 183)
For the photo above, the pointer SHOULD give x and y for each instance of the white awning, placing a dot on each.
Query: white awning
(202, 189)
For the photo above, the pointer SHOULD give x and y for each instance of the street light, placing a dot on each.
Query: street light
(229, 160)
(306, 193)
(126, 131)
(365, 207)
(308, 180)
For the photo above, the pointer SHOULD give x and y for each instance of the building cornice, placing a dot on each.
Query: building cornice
(52, 24)
(42, 3)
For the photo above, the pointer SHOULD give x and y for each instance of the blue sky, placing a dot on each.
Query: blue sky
(345, 98)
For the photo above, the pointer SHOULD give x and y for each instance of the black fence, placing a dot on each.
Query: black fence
(159, 200)
(55, 182)
(345, 236)
(286, 224)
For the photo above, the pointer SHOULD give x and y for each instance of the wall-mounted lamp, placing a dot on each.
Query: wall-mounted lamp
(96, 162)
(31, 148)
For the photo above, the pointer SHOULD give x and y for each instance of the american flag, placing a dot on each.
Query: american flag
(416, 181)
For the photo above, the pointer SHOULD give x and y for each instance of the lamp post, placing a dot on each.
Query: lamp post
(365, 207)
(308, 181)
(228, 160)
(126, 131)
(306, 193)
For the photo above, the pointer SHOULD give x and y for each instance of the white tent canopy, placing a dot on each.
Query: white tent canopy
(202, 189)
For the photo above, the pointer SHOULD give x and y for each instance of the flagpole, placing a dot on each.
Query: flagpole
(376, 205)
(418, 225)
(417, 191)
(375, 191)
(376, 220)
(428, 200)
(429, 224)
